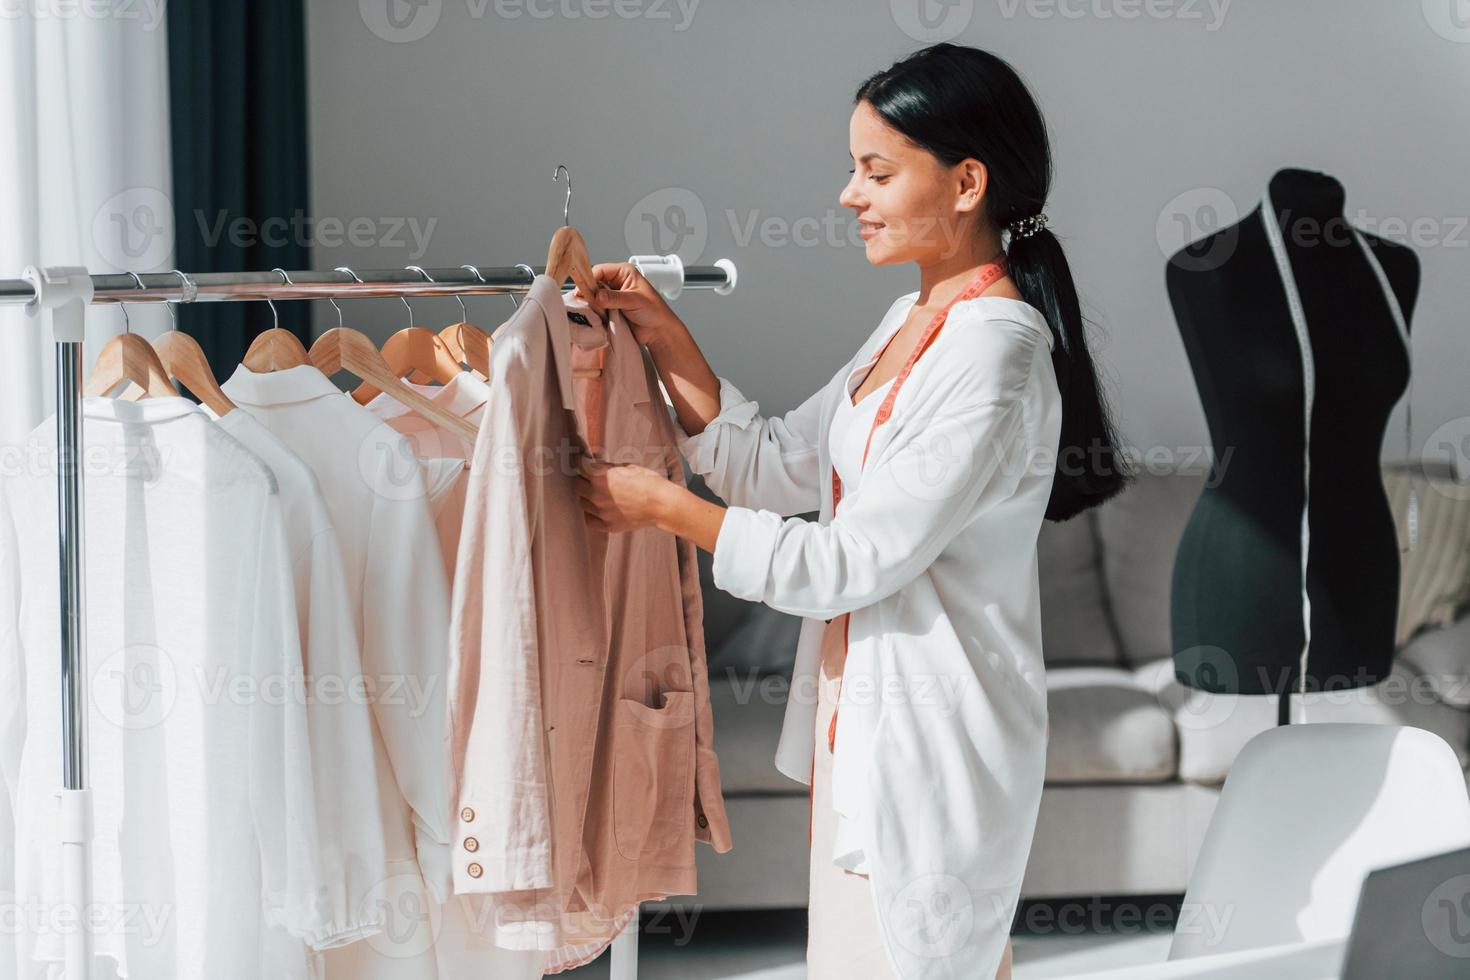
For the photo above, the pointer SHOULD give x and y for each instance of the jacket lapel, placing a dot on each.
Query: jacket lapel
(559, 332)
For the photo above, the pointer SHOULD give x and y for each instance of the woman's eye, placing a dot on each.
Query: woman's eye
(880, 178)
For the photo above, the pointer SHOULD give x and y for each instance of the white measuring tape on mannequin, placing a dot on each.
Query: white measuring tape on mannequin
(1304, 341)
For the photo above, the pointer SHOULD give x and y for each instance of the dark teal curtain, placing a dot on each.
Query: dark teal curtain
(237, 94)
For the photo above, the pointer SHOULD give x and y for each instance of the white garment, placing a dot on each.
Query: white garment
(941, 739)
(850, 426)
(350, 828)
(375, 493)
(204, 827)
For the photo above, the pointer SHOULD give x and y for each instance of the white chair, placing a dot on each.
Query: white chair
(1305, 813)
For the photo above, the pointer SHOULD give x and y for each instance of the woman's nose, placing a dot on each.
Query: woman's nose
(850, 198)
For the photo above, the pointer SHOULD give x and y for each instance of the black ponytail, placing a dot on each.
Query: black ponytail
(959, 102)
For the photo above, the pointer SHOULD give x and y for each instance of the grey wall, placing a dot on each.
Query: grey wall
(1167, 119)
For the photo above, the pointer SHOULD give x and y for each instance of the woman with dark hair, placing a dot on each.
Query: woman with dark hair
(970, 414)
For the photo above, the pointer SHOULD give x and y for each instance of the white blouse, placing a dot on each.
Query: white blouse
(204, 832)
(339, 724)
(940, 754)
(377, 502)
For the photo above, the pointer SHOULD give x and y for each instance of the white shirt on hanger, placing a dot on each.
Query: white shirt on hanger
(374, 488)
(350, 828)
(200, 767)
(940, 753)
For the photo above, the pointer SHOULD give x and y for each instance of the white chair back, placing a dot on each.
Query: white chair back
(1306, 812)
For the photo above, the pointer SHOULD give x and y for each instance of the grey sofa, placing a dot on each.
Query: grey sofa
(1135, 761)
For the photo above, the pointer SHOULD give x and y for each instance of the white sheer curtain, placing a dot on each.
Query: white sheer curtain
(84, 171)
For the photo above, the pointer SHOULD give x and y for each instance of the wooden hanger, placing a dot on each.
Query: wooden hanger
(467, 343)
(275, 349)
(184, 359)
(414, 350)
(129, 358)
(345, 349)
(567, 256)
(410, 351)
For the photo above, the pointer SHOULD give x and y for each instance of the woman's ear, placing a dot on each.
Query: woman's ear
(974, 179)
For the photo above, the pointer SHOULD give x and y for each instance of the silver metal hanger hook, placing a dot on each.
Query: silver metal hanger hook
(189, 291)
(356, 277)
(566, 207)
(127, 323)
(275, 316)
(478, 275)
(530, 274)
(427, 278)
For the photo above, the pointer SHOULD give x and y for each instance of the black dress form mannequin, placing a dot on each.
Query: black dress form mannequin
(1237, 614)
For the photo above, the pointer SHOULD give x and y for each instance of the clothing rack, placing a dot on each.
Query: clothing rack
(65, 292)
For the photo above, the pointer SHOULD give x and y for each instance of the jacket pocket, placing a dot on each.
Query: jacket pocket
(653, 773)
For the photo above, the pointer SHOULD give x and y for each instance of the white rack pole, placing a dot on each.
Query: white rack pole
(65, 291)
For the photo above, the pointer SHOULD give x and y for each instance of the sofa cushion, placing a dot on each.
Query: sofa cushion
(1442, 656)
(1139, 531)
(1434, 580)
(1214, 727)
(1076, 627)
(748, 710)
(1103, 727)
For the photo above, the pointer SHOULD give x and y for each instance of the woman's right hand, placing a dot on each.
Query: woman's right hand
(622, 287)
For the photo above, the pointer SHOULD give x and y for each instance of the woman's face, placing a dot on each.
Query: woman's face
(909, 206)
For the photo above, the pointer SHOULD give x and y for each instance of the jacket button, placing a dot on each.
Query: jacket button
(702, 820)
(471, 845)
(475, 870)
(467, 814)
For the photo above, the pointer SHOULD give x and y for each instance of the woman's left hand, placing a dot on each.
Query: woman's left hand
(620, 496)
